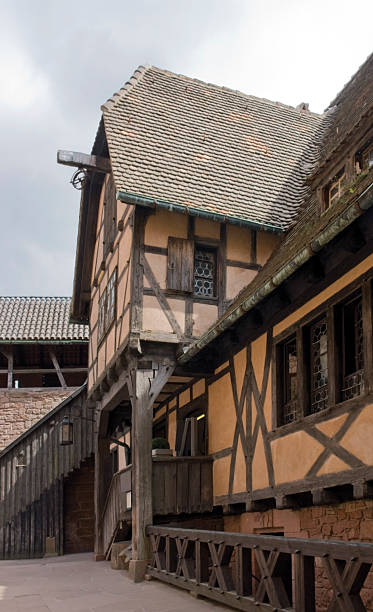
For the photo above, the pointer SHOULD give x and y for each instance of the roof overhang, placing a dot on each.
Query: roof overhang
(89, 204)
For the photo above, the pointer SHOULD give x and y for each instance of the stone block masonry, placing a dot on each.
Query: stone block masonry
(345, 521)
(21, 408)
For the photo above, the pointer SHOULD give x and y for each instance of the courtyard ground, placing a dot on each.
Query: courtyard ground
(76, 583)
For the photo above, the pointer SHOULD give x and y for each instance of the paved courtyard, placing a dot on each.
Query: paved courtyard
(75, 583)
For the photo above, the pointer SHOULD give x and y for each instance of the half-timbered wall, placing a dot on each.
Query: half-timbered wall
(104, 346)
(139, 256)
(255, 458)
(177, 314)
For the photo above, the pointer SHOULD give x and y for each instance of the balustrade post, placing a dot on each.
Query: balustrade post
(304, 582)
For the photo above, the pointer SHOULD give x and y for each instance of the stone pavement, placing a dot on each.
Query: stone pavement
(76, 583)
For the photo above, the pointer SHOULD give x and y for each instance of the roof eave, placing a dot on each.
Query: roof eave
(148, 202)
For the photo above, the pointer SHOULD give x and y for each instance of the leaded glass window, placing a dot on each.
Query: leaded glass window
(353, 352)
(204, 272)
(289, 381)
(319, 366)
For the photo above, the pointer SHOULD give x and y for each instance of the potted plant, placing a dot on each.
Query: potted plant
(161, 448)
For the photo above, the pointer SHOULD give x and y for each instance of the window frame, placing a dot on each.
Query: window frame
(104, 328)
(339, 179)
(212, 249)
(301, 329)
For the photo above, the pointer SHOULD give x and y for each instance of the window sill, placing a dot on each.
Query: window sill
(313, 419)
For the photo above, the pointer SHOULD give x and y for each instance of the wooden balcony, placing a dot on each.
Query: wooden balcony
(181, 485)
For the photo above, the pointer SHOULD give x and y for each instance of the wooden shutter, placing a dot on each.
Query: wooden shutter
(180, 264)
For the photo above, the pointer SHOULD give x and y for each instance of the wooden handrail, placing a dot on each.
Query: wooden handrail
(111, 486)
(261, 572)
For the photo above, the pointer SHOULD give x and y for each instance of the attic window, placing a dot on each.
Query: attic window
(334, 190)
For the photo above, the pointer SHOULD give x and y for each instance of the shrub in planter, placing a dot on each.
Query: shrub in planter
(160, 446)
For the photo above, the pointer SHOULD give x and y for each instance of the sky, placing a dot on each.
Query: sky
(59, 61)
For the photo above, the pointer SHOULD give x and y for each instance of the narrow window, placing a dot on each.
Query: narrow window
(204, 272)
(334, 189)
(107, 306)
(352, 348)
(318, 366)
(288, 384)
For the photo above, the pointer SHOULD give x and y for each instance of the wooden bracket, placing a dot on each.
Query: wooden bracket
(83, 160)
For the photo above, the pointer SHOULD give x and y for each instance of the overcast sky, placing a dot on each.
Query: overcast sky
(59, 61)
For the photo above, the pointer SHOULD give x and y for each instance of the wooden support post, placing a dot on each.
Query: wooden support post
(144, 389)
(193, 437)
(8, 353)
(102, 481)
(57, 368)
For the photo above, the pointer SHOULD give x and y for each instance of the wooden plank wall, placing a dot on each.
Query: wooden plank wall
(32, 470)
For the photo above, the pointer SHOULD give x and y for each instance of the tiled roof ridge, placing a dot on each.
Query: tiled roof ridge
(142, 70)
(349, 83)
(133, 80)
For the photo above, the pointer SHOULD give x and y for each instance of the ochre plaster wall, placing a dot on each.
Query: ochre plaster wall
(291, 455)
(159, 226)
(334, 288)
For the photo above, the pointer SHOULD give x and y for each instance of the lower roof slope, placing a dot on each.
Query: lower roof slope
(39, 319)
(209, 148)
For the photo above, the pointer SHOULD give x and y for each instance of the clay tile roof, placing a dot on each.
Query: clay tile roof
(38, 319)
(210, 148)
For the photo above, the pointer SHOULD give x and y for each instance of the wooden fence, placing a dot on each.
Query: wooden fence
(32, 469)
(259, 572)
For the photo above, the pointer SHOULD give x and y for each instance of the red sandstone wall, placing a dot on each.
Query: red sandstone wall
(19, 409)
(346, 521)
(78, 510)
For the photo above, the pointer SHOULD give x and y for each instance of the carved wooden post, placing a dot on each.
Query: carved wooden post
(144, 389)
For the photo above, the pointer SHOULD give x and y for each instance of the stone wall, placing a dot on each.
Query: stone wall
(346, 521)
(78, 509)
(21, 408)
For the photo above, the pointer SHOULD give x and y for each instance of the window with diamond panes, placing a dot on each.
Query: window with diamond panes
(288, 381)
(352, 348)
(318, 335)
(204, 272)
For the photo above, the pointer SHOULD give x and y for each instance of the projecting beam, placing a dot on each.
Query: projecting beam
(83, 160)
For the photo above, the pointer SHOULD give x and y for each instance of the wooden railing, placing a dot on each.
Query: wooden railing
(259, 572)
(117, 503)
(182, 485)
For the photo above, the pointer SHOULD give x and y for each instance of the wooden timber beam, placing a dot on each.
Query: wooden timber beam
(43, 370)
(57, 368)
(83, 160)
